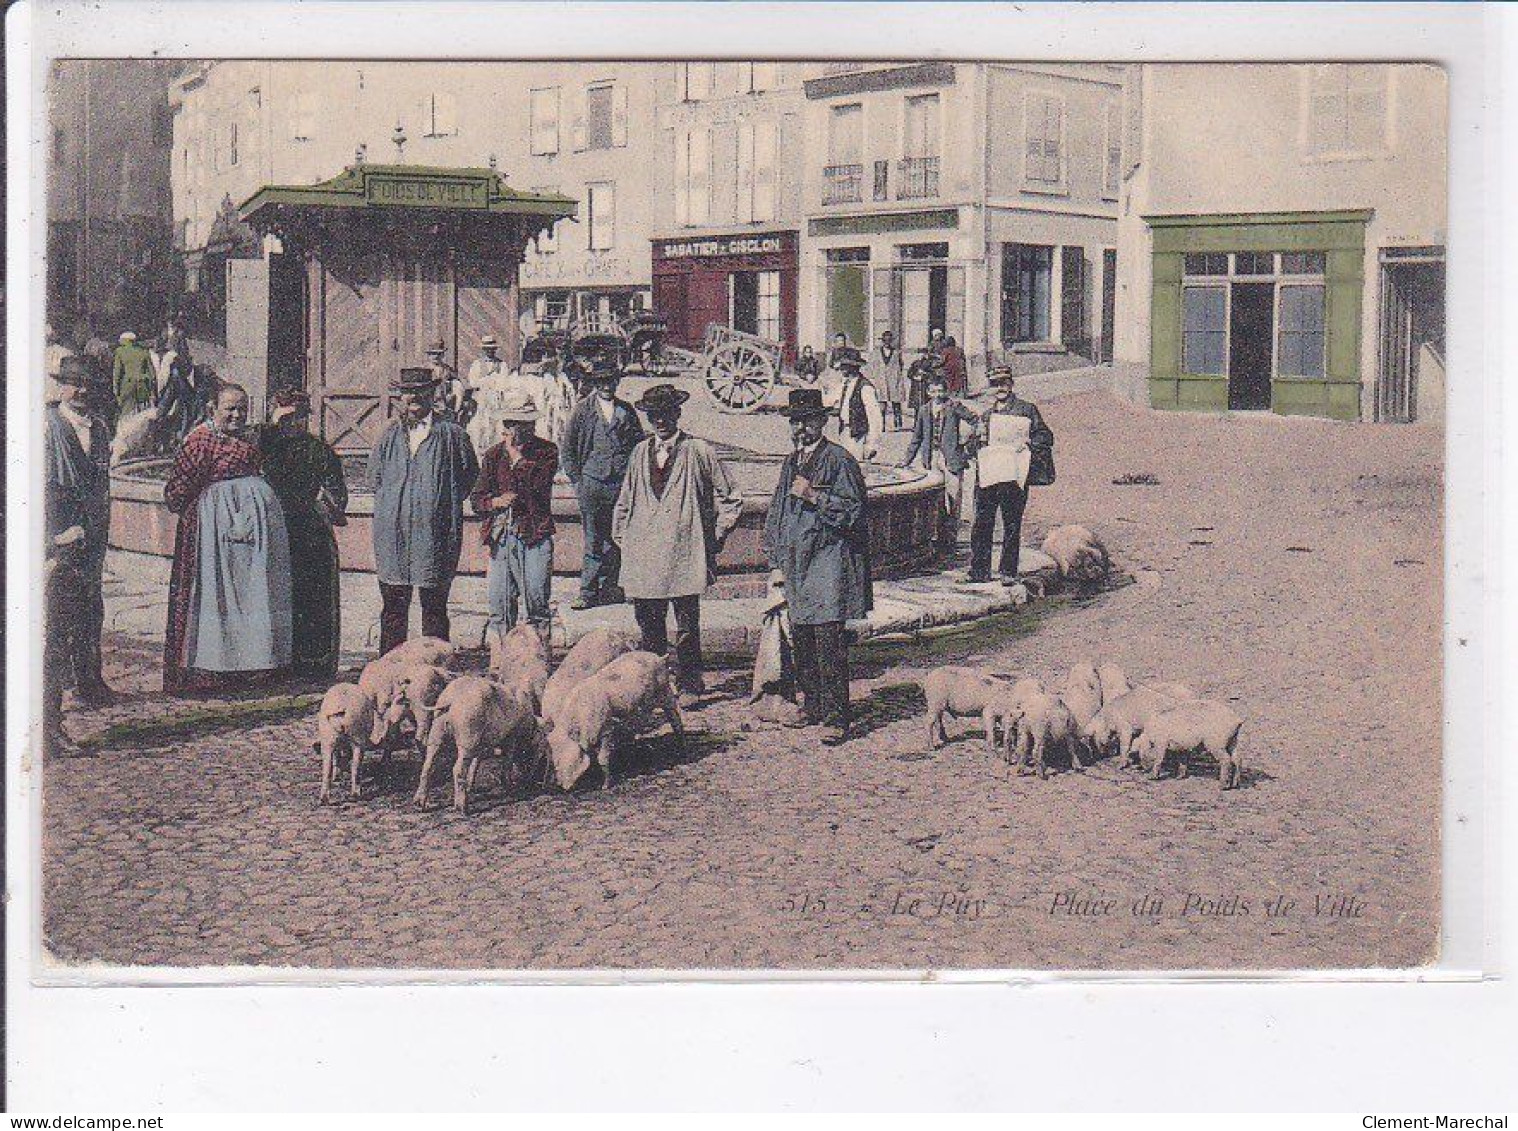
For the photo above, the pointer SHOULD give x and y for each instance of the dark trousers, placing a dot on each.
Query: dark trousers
(1009, 499)
(396, 613)
(603, 562)
(651, 613)
(822, 670)
(75, 617)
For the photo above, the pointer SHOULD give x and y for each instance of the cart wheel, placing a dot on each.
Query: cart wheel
(739, 377)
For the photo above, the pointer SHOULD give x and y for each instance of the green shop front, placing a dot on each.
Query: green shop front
(1258, 311)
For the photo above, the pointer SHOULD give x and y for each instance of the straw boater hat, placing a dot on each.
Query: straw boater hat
(414, 379)
(488, 342)
(661, 397)
(805, 403)
(1001, 375)
(517, 408)
(128, 336)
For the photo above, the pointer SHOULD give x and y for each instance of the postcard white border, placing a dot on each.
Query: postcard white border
(806, 1041)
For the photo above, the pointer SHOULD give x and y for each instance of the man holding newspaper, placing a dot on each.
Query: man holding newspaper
(1016, 452)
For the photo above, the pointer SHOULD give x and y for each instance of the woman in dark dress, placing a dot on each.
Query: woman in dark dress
(307, 477)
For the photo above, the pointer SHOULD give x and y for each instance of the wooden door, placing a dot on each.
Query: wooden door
(350, 358)
(1072, 307)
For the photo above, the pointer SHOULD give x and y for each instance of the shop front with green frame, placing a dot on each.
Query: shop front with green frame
(1287, 251)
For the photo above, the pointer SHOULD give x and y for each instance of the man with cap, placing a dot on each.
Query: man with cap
(307, 478)
(598, 442)
(816, 535)
(1010, 496)
(859, 417)
(676, 508)
(77, 456)
(132, 376)
(514, 499)
(421, 471)
(938, 441)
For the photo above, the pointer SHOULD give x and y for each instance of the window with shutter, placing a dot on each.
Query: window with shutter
(598, 117)
(1044, 150)
(1346, 108)
(601, 203)
(700, 177)
(766, 153)
(544, 121)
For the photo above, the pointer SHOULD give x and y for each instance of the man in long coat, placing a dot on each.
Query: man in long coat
(676, 508)
(598, 442)
(817, 538)
(421, 471)
(78, 452)
(889, 375)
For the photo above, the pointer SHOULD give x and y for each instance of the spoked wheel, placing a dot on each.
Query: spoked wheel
(739, 377)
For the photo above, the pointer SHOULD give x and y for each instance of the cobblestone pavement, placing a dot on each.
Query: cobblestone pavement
(1292, 567)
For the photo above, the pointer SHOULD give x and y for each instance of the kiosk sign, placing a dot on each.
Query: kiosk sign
(426, 192)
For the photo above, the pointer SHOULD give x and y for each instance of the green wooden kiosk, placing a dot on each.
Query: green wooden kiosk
(380, 261)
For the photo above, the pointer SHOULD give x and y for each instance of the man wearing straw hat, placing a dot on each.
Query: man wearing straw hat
(676, 508)
(514, 498)
(421, 471)
(817, 537)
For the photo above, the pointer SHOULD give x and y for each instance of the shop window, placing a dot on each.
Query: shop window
(1303, 263)
(556, 307)
(1346, 109)
(1254, 263)
(544, 115)
(1204, 336)
(1211, 263)
(754, 303)
(1043, 135)
(440, 115)
(1300, 349)
(601, 204)
(1026, 270)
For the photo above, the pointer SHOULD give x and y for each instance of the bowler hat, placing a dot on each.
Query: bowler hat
(601, 368)
(805, 403)
(73, 371)
(848, 356)
(661, 397)
(414, 379)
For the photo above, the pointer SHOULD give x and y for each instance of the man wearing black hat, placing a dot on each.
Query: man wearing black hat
(598, 442)
(1009, 495)
(78, 504)
(817, 537)
(676, 508)
(859, 418)
(421, 471)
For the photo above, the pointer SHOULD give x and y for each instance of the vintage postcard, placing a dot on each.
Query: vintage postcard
(742, 515)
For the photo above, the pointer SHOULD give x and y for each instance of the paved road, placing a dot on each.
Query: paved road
(1289, 566)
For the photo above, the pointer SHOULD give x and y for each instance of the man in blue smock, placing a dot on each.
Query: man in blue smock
(421, 471)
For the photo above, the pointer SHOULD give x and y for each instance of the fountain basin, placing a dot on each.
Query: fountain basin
(905, 515)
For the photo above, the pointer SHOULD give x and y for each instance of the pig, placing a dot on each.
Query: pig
(519, 661)
(480, 719)
(1082, 693)
(414, 691)
(1114, 682)
(345, 723)
(423, 649)
(1078, 554)
(591, 653)
(618, 699)
(1188, 727)
(962, 692)
(1037, 720)
(1129, 714)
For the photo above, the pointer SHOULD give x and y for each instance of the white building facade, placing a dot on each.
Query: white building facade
(1282, 236)
(977, 199)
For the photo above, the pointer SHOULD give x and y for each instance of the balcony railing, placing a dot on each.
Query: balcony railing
(917, 178)
(842, 184)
